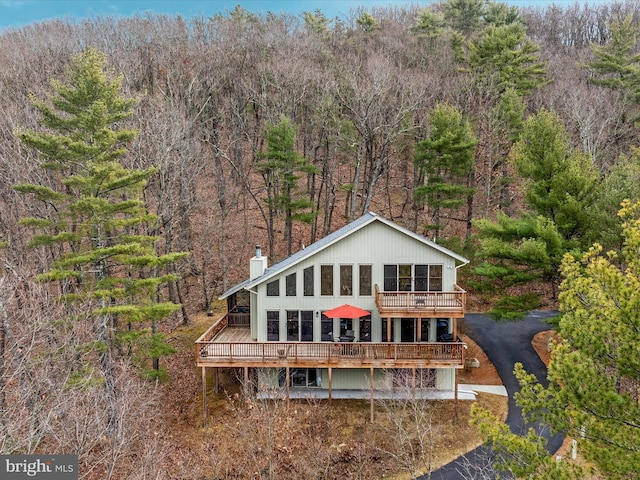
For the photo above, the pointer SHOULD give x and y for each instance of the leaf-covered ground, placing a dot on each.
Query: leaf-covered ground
(276, 440)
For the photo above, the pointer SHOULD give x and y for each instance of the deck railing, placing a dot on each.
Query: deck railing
(213, 330)
(239, 319)
(422, 301)
(328, 352)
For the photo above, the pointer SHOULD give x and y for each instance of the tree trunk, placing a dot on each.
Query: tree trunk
(108, 369)
(185, 315)
(467, 238)
(355, 185)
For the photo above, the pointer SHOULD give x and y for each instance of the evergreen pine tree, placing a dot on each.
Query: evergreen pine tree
(594, 374)
(503, 57)
(617, 64)
(102, 259)
(445, 160)
(281, 168)
(560, 185)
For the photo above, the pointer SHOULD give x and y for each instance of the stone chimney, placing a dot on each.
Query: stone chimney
(258, 264)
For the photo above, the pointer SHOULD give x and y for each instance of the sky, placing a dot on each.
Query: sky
(18, 13)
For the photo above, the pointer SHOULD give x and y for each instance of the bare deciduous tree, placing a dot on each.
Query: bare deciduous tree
(410, 415)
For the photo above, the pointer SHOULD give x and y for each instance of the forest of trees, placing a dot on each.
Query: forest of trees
(507, 134)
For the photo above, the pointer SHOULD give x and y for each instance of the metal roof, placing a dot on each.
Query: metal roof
(329, 240)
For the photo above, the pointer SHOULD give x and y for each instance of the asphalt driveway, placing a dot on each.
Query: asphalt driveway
(505, 344)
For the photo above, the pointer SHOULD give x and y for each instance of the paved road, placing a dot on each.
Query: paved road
(505, 344)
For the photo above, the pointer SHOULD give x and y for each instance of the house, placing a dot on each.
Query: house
(347, 313)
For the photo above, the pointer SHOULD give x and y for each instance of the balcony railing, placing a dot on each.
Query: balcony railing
(239, 319)
(445, 303)
(319, 354)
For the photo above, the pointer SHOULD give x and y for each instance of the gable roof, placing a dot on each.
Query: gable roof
(330, 239)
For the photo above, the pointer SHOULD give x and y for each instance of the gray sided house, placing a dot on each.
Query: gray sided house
(370, 308)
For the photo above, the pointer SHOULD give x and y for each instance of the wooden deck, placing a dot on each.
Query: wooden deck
(227, 343)
(421, 304)
(328, 354)
(232, 347)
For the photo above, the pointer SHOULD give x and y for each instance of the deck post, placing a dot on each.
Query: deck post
(371, 392)
(204, 397)
(216, 380)
(413, 383)
(288, 381)
(455, 396)
(330, 383)
(388, 329)
(419, 332)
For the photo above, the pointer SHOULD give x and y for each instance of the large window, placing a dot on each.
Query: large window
(326, 329)
(364, 283)
(390, 278)
(424, 330)
(346, 280)
(273, 288)
(365, 329)
(417, 278)
(307, 277)
(290, 285)
(273, 326)
(442, 330)
(305, 377)
(435, 278)
(293, 326)
(404, 278)
(326, 280)
(422, 278)
(346, 330)
(306, 326)
(300, 325)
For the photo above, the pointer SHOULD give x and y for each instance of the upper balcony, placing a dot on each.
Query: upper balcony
(424, 304)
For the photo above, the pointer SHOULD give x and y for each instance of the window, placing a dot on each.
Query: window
(365, 281)
(290, 285)
(442, 330)
(416, 278)
(273, 326)
(293, 326)
(408, 330)
(346, 330)
(305, 377)
(306, 326)
(424, 330)
(365, 329)
(346, 280)
(390, 278)
(326, 280)
(300, 325)
(422, 278)
(404, 278)
(435, 278)
(307, 277)
(326, 329)
(273, 288)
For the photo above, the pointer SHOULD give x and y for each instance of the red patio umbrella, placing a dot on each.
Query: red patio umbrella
(346, 311)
